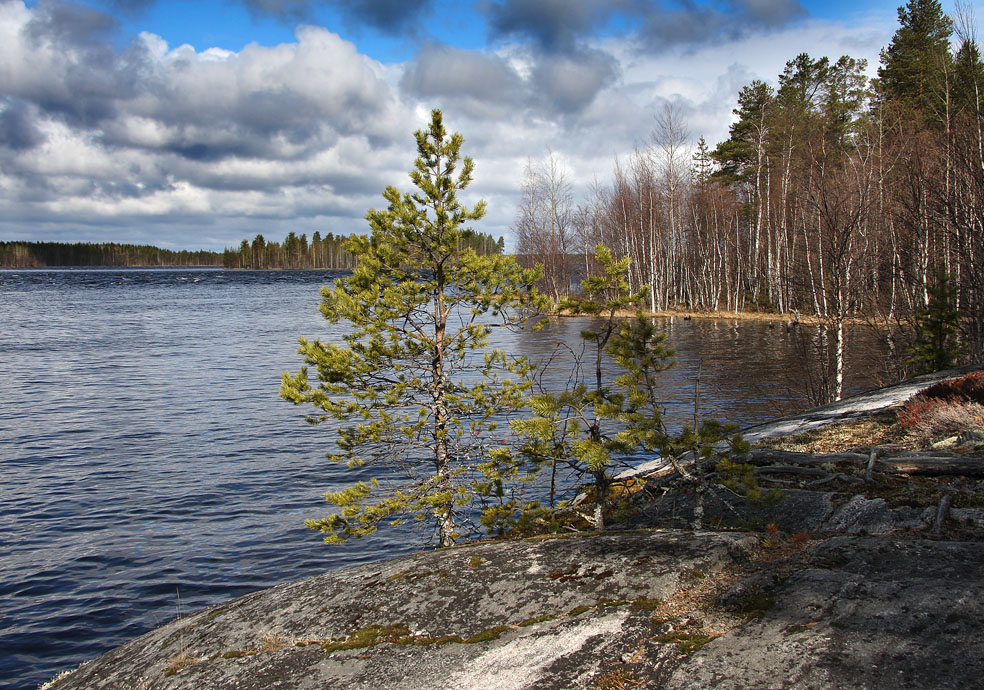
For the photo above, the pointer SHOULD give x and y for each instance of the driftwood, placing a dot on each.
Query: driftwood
(924, 464)
(934, 465)
(942, 512)
(767, 456)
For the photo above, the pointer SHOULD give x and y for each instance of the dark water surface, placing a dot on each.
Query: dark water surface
(148, 467)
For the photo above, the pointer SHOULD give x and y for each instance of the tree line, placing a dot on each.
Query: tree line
(43, 254)
(296, 252)
(836, 196)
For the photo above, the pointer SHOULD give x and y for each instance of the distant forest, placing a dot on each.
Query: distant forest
(323, 252)
(44, 254)
(295, 252)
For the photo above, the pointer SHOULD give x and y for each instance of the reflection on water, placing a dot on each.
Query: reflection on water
(749, 371)
(149, 467)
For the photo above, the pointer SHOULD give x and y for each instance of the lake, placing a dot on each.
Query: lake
(149, 467)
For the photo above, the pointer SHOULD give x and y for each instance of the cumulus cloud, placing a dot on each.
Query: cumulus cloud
(695, 24)
(184, 147)
(496, 86)
(563, 25)
(391, 16)
(18, 128)
(89, 133)
(570, 81)
(770, 13)
(131, 8)
(553, 24)
(482, 84)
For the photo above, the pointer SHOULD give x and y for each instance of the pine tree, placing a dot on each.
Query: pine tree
(917, 63)
(413, 384)
(740, 157)
(585, 427)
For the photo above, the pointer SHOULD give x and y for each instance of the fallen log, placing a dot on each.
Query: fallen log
(768, 456)
(922, 464)
(791, 469)
(932, 466)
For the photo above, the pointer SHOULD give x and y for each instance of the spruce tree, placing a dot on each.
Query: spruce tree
(413, 384)
(937, 327)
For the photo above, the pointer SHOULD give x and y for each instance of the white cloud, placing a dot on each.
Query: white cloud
(157, 141)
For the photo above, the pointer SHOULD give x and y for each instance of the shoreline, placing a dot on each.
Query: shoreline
(583, 604)
(687, 315)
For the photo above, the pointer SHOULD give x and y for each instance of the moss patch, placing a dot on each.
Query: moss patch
(533, 621)
(490, 634)
(754, 605)
(234, 654)
(646, 604)
(687, 643)
(368, 637)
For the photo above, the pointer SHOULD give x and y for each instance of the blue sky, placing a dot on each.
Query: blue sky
(197, 124)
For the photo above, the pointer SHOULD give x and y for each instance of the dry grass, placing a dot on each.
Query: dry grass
(178, 662)
(271, 642)
(858, 436)
(923, 422)
(619, 679)
(932, 419)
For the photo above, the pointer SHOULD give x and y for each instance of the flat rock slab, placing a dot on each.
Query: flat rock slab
(869, 614)
(854, 407)
(540, 613)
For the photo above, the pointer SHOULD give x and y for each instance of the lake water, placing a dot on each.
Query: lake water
(148, 467)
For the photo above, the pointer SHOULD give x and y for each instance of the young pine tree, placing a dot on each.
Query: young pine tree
(584, 428)
(413, 384)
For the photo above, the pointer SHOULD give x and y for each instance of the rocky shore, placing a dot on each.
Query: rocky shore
(845, 589)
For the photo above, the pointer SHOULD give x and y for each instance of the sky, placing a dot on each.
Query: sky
(195, 124)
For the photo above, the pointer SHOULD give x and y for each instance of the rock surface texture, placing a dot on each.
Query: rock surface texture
(580, 612)
(865, 613)
(546, 612)
(879, 601)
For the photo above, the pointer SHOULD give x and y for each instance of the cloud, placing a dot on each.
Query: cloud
(552, 24)
(131, 8)
(390, 16)
(769, 13)
(565, 25)
(569, 82)
(87, 132)
(107, 141)
(482, 84)
(496, 86)
(695, 25)
(18, 128)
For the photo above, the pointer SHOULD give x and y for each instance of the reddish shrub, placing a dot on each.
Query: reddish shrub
(931, 419)
(915, 412)
(969, 388)
(921, 412)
